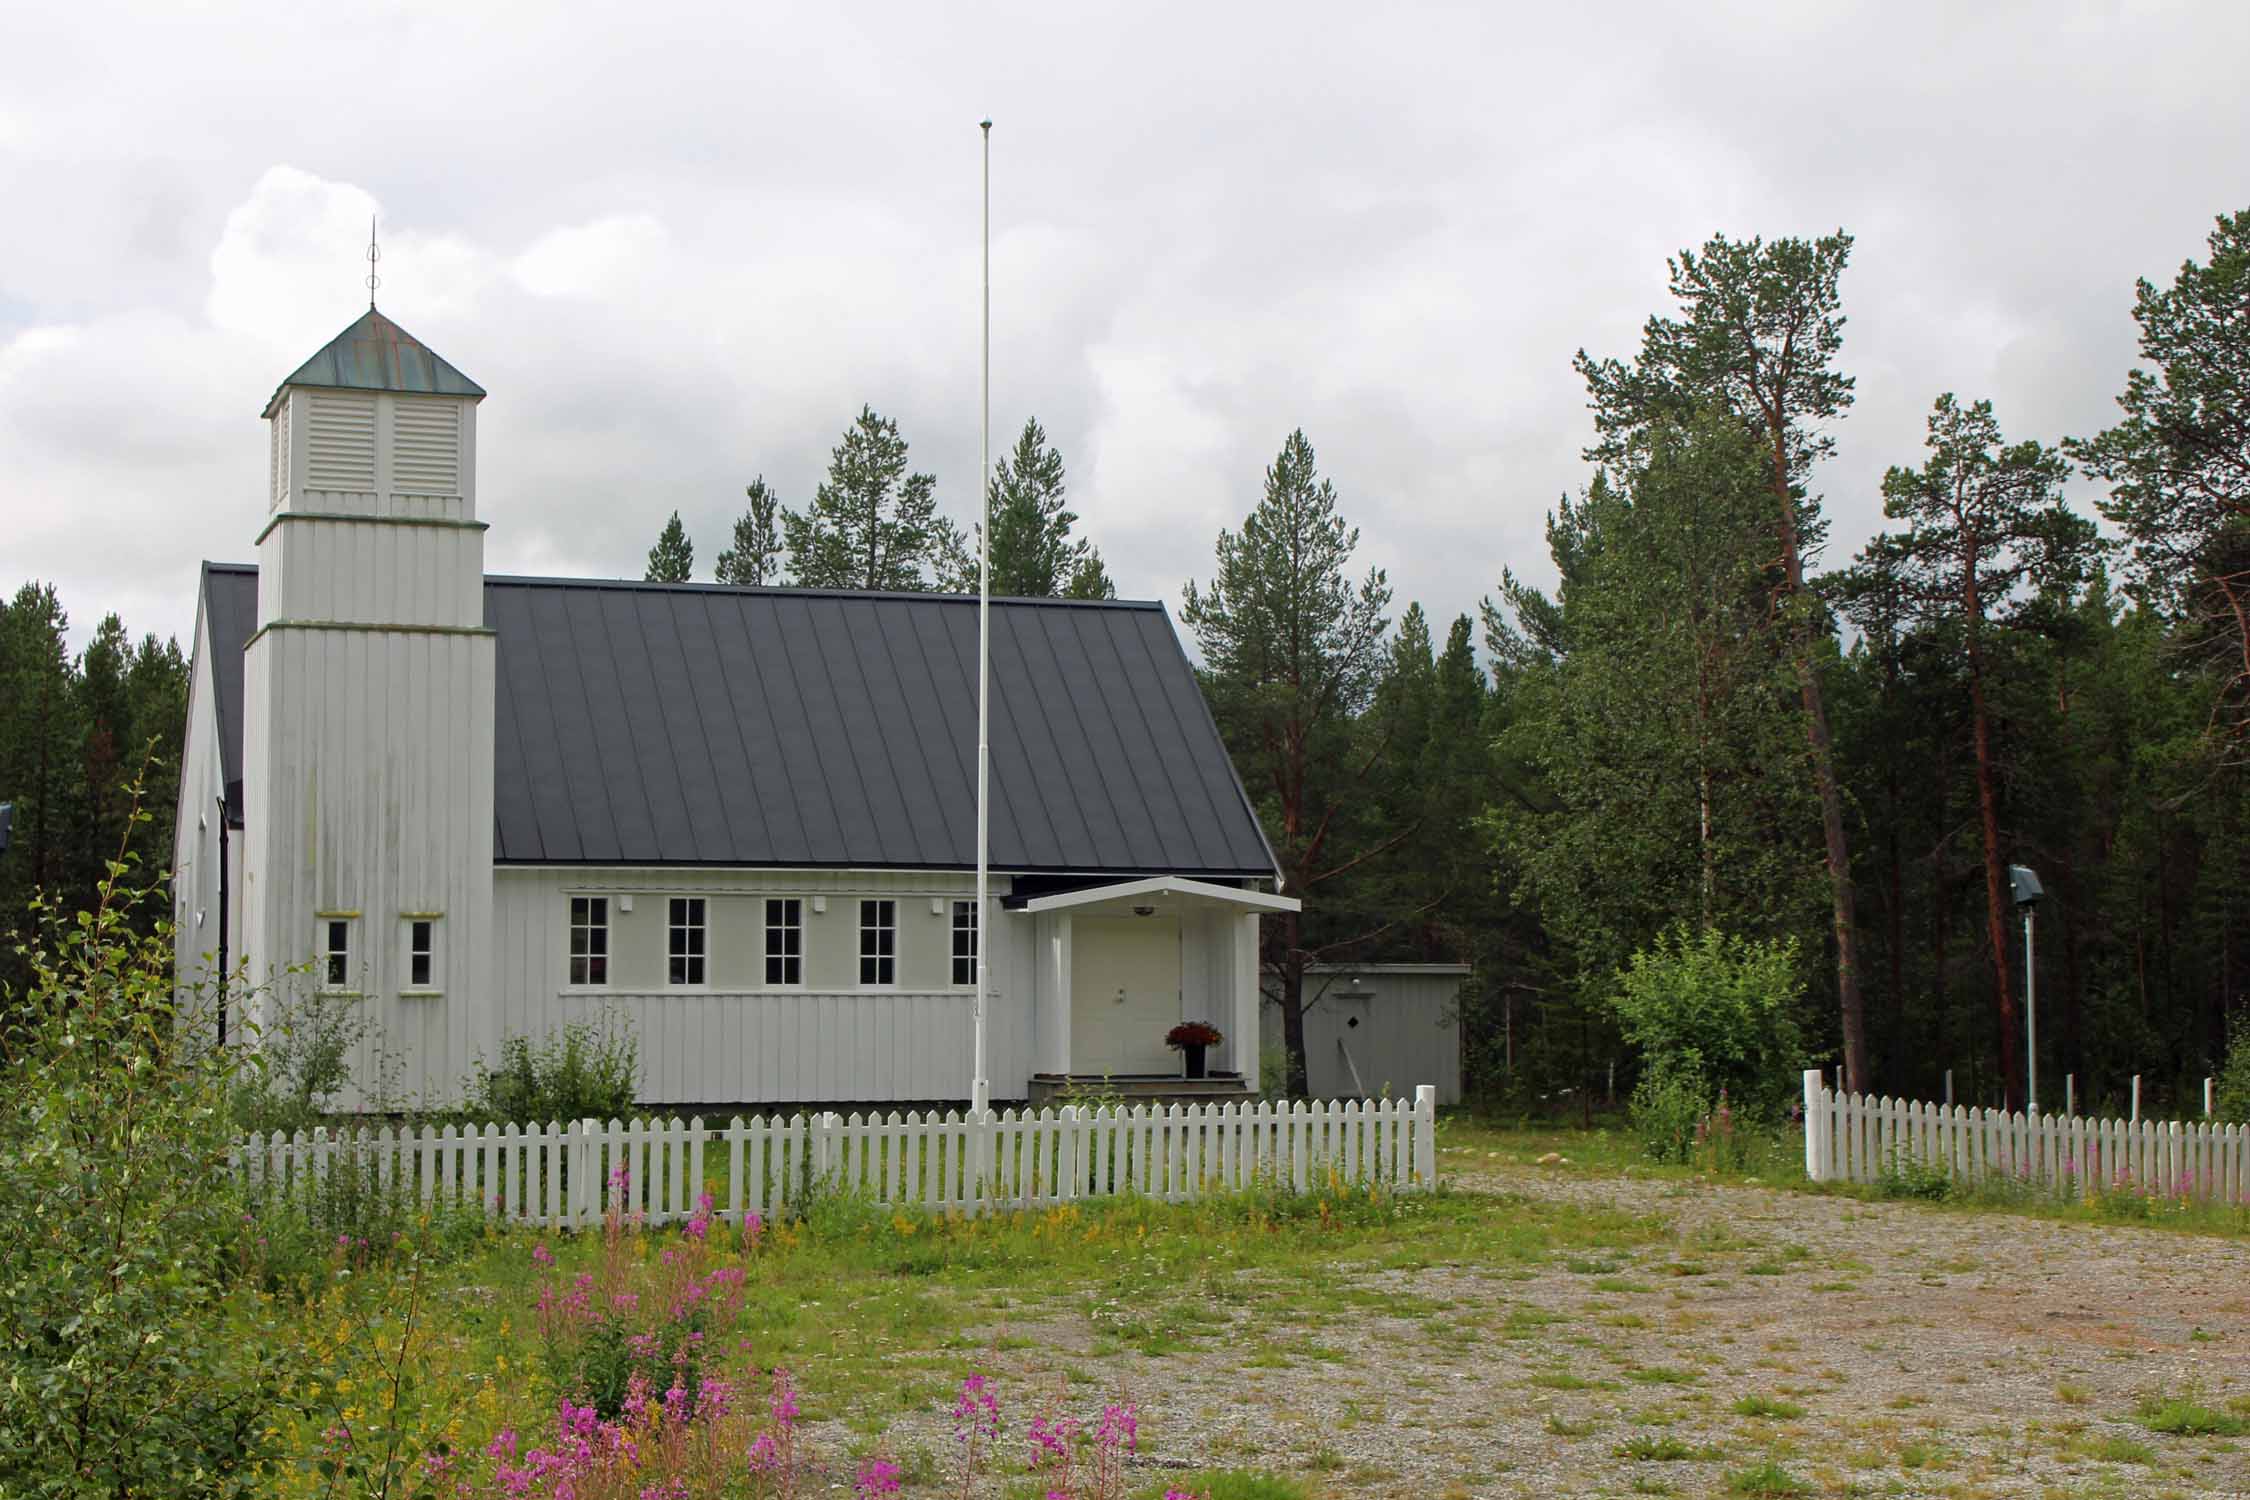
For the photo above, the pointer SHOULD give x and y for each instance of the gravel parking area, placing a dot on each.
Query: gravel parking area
(1749, 1341)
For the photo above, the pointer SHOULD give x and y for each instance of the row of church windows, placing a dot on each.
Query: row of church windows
(687, 944)
(418, 936)
(687, 941)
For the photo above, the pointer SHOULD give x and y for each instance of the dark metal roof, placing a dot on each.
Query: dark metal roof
(375, 354)
(699, 724)
(230, 608)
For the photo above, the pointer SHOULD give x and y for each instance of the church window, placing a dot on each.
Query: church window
(421, 953)
(785, 940)
(878, 942)
(688, 935)
(589, 940)
(964, 942)
(335, 953)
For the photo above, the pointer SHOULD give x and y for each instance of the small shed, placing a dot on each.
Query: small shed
(1375, 1029)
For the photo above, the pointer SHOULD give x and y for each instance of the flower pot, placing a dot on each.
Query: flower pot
(1195, 1061)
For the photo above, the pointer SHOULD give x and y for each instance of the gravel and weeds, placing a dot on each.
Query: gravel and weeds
(1582, 1327)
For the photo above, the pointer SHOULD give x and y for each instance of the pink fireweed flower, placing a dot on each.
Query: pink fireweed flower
(976, 1411)
(784, 1401)
(542, 1256)
(714, 1398)
(1120, 1427)
(502, 1446)
(877, 1477)
(764, 1456)
(753, 1230)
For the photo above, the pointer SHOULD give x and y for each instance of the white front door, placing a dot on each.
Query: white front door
(1124, 993)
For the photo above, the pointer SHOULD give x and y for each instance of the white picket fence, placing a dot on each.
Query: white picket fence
(1855, 1137)
(565, 1176)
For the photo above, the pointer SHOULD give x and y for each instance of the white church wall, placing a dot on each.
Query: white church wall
(197, 836)
(369, 797)
(736, 1041)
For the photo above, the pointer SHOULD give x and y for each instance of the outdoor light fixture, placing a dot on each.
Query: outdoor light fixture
(1144, 911)
(2028, 894)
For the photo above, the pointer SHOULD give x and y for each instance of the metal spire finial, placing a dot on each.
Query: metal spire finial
(374, 254)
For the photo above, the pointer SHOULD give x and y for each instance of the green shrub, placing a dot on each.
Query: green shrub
(587, 1071)
(2233, 1088)
(302, 1061)
(1719, 1009)
(1667, 1108)
(126, 1365)
(1905, 1175)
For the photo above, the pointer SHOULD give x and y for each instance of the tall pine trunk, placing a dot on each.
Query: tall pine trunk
(1820, 748)
(1995, 876)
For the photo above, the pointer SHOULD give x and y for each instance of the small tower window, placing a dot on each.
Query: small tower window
(421, 953)
(333, 953)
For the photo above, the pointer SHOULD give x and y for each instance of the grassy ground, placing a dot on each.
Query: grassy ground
(1563, 1318)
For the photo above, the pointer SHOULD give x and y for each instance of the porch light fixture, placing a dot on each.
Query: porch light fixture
(1144, 911)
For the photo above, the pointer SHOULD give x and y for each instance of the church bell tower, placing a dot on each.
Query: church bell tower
(368, 708)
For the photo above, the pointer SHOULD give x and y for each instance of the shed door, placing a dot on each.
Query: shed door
(1124, 994)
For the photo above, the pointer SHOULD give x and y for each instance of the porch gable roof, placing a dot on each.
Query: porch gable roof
(1164, 885)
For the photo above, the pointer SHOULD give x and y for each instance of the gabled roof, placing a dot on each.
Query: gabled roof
(375, 354)
(655, 724)
(230, 609)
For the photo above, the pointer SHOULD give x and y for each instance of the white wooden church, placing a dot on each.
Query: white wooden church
(742, 820)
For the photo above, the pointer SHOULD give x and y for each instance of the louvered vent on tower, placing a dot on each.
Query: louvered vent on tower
(426, 448)
(280, 476)
(340, 442)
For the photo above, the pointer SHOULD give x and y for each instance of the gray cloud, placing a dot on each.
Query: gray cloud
(682, 244)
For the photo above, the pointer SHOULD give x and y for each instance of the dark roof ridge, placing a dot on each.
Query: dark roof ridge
(775, 591)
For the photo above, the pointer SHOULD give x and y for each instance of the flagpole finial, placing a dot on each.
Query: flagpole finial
(374, 254)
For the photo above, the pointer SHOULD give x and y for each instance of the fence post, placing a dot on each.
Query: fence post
(1425, 1142)
(2070, 1094)
(1948, 1088)
(1815, 1157)
(2136, 1098)
(2207, 1099)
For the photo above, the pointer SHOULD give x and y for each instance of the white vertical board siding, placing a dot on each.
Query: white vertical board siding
(372, 793)
(380, 571)
(196, 877)
(1409, 1029)
(743, 1043)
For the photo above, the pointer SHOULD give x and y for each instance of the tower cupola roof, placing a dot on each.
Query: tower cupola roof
(375, 354)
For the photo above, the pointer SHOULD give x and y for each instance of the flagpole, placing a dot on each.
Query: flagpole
(980, 1087)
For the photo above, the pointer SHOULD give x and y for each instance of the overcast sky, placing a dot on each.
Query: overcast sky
(680, 246)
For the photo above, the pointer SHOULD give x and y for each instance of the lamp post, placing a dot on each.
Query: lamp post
(7, 822)
(2029, 894)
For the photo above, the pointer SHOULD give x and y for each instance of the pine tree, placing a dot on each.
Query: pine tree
(1983, 517)
(2178, 466)
(1292, 651)
(755, 558)
(871, 524)
(1034, 555)
(42, 764)
(672, 559)
(1758, 337)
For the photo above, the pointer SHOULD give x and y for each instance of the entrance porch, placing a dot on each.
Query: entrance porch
(1117, 966)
